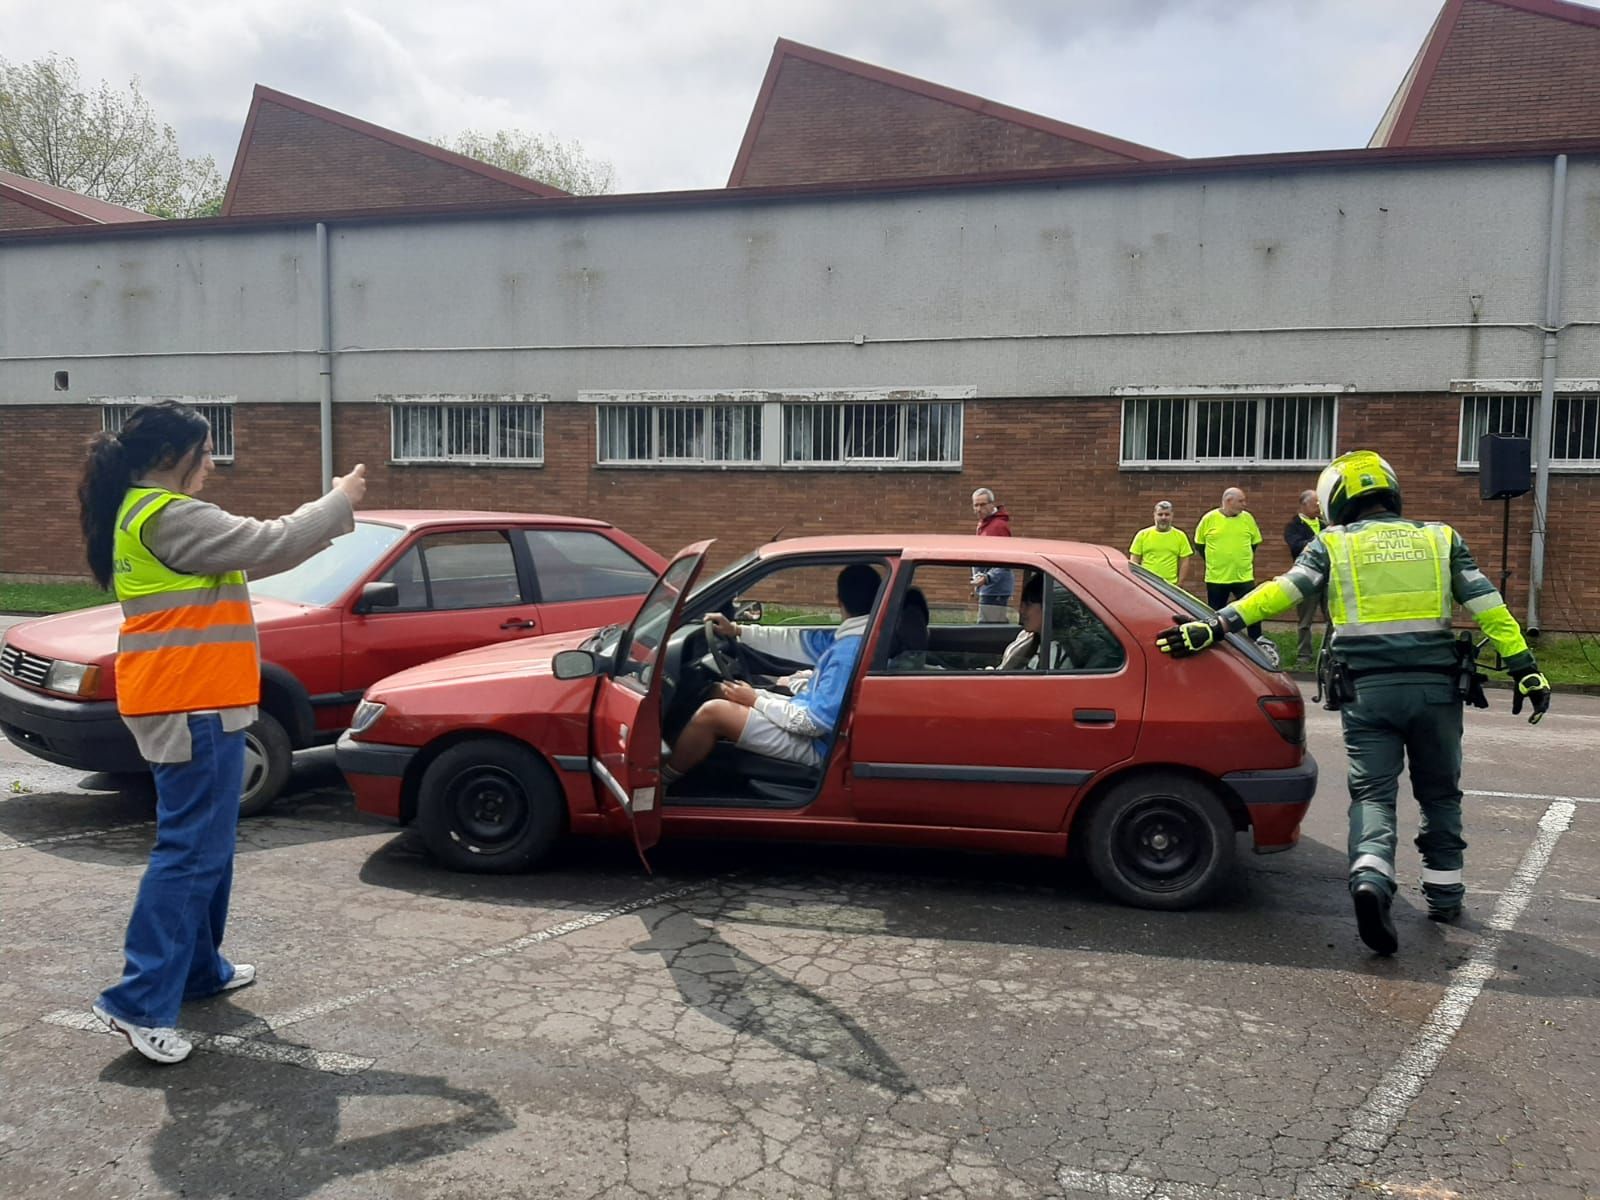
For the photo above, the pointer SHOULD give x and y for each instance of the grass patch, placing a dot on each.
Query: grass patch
(50, 597)
(1564, 658)
(781, 614)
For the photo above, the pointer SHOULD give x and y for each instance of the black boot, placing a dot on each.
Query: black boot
(1372, 917)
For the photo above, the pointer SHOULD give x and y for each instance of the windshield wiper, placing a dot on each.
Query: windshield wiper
(599, 635)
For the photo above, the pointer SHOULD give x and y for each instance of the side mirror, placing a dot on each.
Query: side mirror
(574, 664)
(750, 613)
(378, 595)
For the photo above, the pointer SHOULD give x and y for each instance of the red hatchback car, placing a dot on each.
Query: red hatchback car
(953, 733)
(401, 588)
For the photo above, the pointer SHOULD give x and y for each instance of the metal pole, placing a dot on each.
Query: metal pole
(325, 354)
(1547, 389)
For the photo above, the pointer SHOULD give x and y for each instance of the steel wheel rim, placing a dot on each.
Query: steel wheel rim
(1163, 844)
(255, 767)
(487, 807)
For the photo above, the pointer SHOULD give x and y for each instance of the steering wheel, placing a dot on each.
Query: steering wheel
(724, 653)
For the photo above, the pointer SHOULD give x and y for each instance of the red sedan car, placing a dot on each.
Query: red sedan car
(401, 588)
(953, 733)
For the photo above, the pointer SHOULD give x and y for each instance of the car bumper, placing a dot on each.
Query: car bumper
(1276, 801)
(375, 773)
(86, 735)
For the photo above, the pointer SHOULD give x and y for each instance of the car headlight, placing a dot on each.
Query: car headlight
(366, 716)
(71, 679)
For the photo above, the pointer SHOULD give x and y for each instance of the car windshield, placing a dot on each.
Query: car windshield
(329, 573)
(1198, 611)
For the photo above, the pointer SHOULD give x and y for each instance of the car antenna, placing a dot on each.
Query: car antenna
(779, 534)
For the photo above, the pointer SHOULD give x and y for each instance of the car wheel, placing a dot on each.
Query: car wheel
(1160, 841)
(268, 757)
(488, 806)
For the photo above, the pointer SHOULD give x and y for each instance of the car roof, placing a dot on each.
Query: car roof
(933, 543)
(419, 518)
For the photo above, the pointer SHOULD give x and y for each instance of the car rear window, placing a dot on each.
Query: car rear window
(1192, 608)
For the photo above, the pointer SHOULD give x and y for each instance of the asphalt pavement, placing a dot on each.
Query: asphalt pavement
(791, 1021)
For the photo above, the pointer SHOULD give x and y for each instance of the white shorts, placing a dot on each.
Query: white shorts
(762, 736)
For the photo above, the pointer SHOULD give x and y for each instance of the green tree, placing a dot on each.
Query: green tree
(548, 159)
(102, 143)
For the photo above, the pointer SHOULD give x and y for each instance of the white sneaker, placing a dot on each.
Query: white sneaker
(160, 1045)
(243, 976)
(1270, 648)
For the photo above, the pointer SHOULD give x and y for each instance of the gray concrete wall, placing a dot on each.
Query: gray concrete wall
(1366, 276)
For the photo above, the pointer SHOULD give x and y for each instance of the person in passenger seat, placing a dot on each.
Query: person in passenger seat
(1023, 652)
(909, 650)
(797, 729)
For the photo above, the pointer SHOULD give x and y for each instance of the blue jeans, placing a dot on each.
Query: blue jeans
(172, 947)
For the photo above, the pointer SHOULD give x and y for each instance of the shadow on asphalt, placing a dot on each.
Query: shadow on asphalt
(1287, 910)
(241, 1128)
(315, 807)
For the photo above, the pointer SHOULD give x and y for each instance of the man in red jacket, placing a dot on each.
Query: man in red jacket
(992, 585)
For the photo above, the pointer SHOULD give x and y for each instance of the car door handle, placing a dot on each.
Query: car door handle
(519, 624)
(1095, 716)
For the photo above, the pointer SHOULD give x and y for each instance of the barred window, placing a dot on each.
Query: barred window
(447, 429)
(218, 414)
(875, 434)
(1574, 426)
(679, 434)
(1227, 431)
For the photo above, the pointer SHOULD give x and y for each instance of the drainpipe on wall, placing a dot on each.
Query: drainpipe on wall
(1547, 389)
(325, 353)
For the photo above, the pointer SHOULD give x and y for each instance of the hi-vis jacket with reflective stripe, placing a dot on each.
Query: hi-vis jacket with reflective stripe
(188, 642)
(1391, 585)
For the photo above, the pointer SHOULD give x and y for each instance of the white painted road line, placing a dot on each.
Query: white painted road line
(294, 1016)
(8, 844)
(232, 1044)
(1375, 1122)
(1533, 796)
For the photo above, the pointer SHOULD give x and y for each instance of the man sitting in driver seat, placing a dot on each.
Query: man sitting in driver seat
(797, 729)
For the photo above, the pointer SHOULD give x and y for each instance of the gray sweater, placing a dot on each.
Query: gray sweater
(196, 538)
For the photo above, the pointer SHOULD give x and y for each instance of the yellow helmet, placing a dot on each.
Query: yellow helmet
(1351, 477)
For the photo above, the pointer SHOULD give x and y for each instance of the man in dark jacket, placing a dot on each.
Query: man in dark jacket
(1299, 533)
(992, 585)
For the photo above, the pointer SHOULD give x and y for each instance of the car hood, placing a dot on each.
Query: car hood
(89, 635)
(522, 658)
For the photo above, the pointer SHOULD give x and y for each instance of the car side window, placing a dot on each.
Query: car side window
(452, 571)
(1080, 642)
(577, 564)
(938, 625)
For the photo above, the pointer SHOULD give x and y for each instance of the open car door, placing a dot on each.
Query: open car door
(627, 711)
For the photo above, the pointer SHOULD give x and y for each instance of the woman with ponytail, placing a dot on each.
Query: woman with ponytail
(188, 679)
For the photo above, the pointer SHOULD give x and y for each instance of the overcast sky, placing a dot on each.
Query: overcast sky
(663, 88)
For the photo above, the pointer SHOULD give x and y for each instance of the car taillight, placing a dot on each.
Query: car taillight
(1288, 717)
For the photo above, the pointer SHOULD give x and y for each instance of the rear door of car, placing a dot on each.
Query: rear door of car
(943, 741)
(625, 739)
(459, 588)
(582, 577)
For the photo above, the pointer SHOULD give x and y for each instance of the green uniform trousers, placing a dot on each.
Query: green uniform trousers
(1421, 721)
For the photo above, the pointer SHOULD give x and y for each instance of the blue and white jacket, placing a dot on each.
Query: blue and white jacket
(815, 711)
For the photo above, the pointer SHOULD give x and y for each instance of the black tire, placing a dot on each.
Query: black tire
(268, 759)
(1160, 841)
(489, 806)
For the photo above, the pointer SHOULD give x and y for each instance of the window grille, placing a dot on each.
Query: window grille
(448, 431)
(919, 433)
(218, 415)
(1227, 431)
(679, 434)
(1574, 426)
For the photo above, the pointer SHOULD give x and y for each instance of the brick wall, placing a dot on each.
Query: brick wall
(1052, 463)
(823, 124)
(296, 162)
(1508, 75)
(14, 215)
